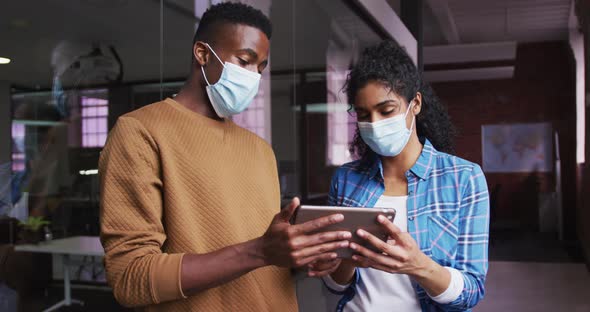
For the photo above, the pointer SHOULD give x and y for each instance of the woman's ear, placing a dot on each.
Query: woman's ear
(417, 104)
(201, 53)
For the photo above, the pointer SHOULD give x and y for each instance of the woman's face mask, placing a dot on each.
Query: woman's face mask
(387, 137)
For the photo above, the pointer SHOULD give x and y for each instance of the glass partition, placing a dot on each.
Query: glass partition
(76, 67)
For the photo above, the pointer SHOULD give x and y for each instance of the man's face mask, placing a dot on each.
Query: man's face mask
(235, 89)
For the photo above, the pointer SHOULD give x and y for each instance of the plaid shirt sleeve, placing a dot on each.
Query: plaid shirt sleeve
(472, 249)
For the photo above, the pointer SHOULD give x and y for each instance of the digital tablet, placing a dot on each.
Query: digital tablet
(354, 218)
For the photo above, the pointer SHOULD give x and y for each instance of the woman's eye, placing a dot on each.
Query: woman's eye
(389, 112)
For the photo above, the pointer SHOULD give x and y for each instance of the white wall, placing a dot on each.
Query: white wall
(576, 40)
(5, 141)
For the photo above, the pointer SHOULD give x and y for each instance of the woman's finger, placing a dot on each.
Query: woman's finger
(373, 240)
(393, 230)
(371, 255)
(361, 262)
(390, 250)
(367, 263)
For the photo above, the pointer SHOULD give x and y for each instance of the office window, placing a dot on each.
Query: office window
(18, 151)
(341, 124)
(95, 112)
(341, 128)
(254, 118)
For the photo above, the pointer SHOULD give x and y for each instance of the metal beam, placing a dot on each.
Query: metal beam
(469, 53)
(411, 14)
(470, 74)
(444, 16)
(392, 25)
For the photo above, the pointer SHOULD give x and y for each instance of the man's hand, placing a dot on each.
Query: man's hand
(323, 268)
(288, 245)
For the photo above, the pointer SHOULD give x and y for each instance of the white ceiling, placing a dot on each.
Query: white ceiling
(30, 29)
(478, 21)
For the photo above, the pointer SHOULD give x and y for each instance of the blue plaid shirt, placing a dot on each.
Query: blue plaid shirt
(448, 216)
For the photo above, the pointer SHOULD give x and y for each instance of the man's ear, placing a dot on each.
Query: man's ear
(201, 53)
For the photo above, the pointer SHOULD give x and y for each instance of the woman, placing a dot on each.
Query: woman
(436, 256)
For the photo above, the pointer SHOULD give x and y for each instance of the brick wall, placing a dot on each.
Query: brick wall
(542, 90)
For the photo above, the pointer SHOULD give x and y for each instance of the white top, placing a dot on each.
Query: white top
(381, 291)
(77, 245)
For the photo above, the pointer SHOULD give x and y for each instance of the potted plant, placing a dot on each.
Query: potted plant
(9, 219)
(32, 229)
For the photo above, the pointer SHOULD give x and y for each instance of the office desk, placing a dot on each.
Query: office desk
(64, 248)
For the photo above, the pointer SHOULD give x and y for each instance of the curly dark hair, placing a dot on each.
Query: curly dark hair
(233, 13)
(389, 64)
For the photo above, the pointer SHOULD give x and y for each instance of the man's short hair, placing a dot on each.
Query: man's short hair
(232, 13)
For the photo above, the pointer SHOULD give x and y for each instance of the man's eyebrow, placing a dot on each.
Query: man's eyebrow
(250, 52)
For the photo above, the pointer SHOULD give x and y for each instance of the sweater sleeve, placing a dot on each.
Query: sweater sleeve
(132, 231)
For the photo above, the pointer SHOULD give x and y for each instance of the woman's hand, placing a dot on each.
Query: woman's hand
(401, 255)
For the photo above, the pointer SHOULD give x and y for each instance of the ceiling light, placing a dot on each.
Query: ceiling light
(4, 60)
(89, 172)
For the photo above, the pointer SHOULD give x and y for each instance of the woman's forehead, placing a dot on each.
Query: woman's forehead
(374, 93)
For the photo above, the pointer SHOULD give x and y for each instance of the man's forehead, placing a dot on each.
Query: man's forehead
(241, 37)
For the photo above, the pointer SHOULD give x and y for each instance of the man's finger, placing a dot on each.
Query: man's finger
(320, 238)
(323, 272)
(321, 257)
(316, 224)
(320, 249)
(324, 265)
(288, 211)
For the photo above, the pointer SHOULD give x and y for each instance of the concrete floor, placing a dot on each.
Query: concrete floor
(527, 273)
(510, 287)
(538, 287)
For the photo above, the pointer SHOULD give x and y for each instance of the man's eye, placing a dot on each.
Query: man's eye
(242, 62)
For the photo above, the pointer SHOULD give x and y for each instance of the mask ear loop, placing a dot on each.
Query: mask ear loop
(413, 119)
(203, 71)
(210, 48)
(205, 76)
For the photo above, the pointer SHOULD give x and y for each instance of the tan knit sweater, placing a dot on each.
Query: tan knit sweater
(175, 182)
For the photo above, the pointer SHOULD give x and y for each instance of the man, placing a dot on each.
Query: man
(187, 195)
